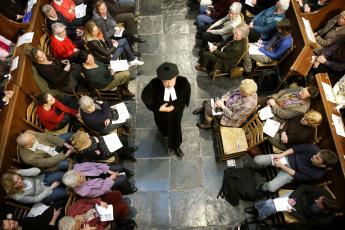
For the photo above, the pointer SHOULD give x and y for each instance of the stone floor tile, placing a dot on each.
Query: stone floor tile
(151, 144)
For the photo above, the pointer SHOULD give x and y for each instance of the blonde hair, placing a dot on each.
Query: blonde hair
(79, 139)
(89, 25)
(8, 183)
(313, 118)
(248, 87)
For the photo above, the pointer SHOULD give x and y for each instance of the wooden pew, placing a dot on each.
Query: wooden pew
(330, 139)
(10, 28)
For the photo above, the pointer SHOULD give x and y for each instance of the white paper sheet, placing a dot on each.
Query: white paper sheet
(80, 10)
(118, 32)
(271, 127)
(37, 210)
(338, 125)
(249, 3)
(112, 141)
(328, 92)
(105, 214)
(283, 160)
(14, 64)
(231, 163)
(119, 65)
(122, 112)
(254, 49)
(309, 30)
(25, 38)
(281, 204)
(214, 113)
(265, 113)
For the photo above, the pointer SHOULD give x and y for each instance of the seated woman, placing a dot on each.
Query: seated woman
(5, 96)
(76, 213)
(297, 131)
(93, 148)
(61, 46)
(30, 187)
(106, 50)
(223, 28)
(53, 114)
(92, 180)
(98, 115)
(236, 105)
(59, 75)
(228, 54)
(101, 77)
(276, 47)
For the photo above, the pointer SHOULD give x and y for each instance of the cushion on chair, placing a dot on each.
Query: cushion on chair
(230, 138)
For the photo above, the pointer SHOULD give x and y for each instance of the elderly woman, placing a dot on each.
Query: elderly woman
(297, 131)
(265, 23)
(92, 148)
(77, 212)
(92, 180)
(53, 114)
(236, 105)
(106, 50)
(223, 28)
(228, 54)
(101, 77)
(98, 115)
(59, 75)
(29, 186)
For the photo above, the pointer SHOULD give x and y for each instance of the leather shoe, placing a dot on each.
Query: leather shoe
(133, 148)
(178, 152)
(201, 68)
(129, 173)
(126, 93)
(203, 126)
(199, 110)
(133, 190)
(251, 210)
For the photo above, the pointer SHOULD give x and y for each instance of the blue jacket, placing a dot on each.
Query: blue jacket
(282, 46)
(265, 22)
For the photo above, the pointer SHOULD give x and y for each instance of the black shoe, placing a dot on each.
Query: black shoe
(129, 173)
(178, 152)
(251, 210)
(199, 110)
(133, 149)
(133, 190)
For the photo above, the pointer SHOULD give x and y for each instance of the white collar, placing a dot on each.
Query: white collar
(59, 38)
(58, 2)
(170, 92)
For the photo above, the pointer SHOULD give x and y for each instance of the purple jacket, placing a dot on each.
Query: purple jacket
(95, 187)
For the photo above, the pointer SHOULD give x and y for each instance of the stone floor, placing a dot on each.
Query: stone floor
(172, 193)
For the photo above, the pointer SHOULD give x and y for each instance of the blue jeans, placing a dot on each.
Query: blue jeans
(203, 20)
(66, 136)
(58, 193)
(63, 165)
(265, 208)
(123, 47)
(202, 9)
(119, 179)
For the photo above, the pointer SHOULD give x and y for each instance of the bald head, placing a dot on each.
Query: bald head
(26, 139)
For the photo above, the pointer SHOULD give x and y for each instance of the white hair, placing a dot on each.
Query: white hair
(85, 102)
(57, 27)
(70, 179)
(236, 7)
(46, 8)
(284, 4)
(22, 139)
(67, 223)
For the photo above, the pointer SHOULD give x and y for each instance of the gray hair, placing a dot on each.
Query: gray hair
(70, 179)
(56, 26)
(236, 7)
(46, 8)
(22, 139)
(284, 4)
(85, 102)
(244, 28)
(67, 223)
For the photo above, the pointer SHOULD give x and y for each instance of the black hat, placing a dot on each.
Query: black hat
(167, 71)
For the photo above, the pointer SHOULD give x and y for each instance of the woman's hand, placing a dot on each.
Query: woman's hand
(57, 212)
(104, 204)
(322, 59)
(54, 185)
(107, 122)
(284, 138)
(220, 103)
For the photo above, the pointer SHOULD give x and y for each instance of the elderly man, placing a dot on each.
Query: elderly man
(332, 31)
(265, 23)
(166, 96)
(43, 150)
(290, 103)
(61, 46)
(303, 162)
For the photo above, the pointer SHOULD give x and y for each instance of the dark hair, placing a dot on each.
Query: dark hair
(83, 54)
(42, 98)
(313, 91)
(329, 157)
(32, 51)
(329, 204)
(97, 4)
(284, 26)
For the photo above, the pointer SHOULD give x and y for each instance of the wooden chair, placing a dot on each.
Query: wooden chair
(234, 142)
(45, 42)
(273, 65)
(19, 211)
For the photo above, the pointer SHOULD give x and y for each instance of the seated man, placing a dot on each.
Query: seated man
(290, 103)
(228, 54)
(236, 105)
(265, 23)
(311, 5)
(43, 150)
(303, 162)
(310, 205)
(332, 31)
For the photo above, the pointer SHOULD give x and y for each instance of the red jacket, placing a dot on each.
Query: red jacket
(62, 49)
(50, 119)
(64, 9)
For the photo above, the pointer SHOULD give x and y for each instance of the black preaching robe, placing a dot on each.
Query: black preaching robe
(169, 124)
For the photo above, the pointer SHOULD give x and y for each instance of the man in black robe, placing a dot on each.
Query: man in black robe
(166, 96)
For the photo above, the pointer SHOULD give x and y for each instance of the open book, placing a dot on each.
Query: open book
(266, 113)
(119, 65)
(122, 112)
(281, 204)
(283, 160)
(105, 214)
(271, 127)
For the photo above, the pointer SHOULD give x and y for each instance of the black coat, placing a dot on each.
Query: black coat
(169, 124)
